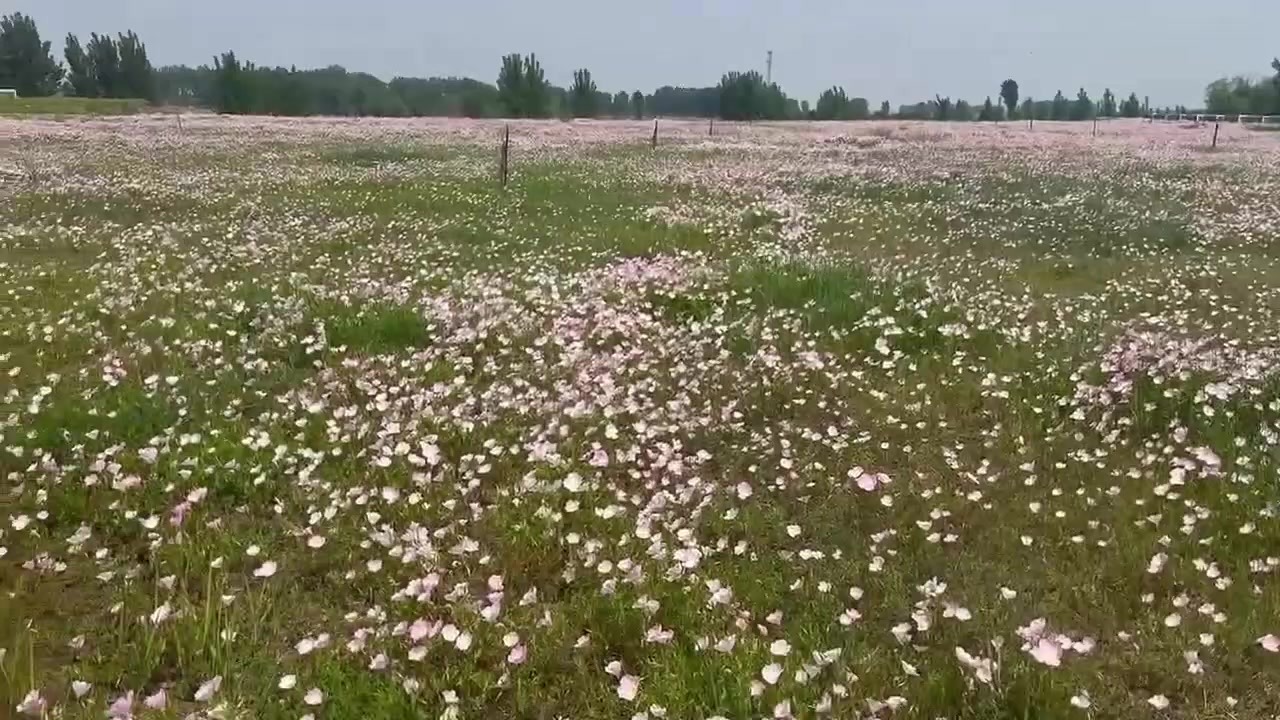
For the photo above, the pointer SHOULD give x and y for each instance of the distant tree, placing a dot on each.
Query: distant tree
(1009, 93)
(1061, 108)
(81, 79)
(230, 86)
(620, 106)
(1108, 103)
(1131, 108)
(582, 94)
(637, 104)
(1242, 95)
(833, 104)
(885, 111)
(746, 96)
(136, 74)
(943, 107)
(1082, 108)
(536, 89)
(26, 64)
(988, 111)
(511, 85)
(1027, 109)
(963, 111)
(1275, 65)
(104, 58)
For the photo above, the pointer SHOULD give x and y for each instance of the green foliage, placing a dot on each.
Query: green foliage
(522, 87)
(582, 94)
(104, 62)
(510, 84)
(454, 97)
(26, 65)
(944, 107)
(637, 104)
(1061, 108)
(1131, 108)
(80, 76)
(990, 111)
(230, 86)
(1242, 95)
(136, 73)
(834, 104)
(1108, 104)
(884, 111)
(1082, 108)
(1009, 93)
(745, 96)
(684, 102)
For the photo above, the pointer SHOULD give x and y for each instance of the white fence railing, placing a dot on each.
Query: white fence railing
(1243, 119)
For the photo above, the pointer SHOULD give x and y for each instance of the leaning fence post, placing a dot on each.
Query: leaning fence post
(655, 133)
(1095, 127)
(504, 154)
(1215, 133)
(711, 128)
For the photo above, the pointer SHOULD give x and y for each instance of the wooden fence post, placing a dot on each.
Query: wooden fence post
(711, 129)
(504, 154)
(655, 133)
(1095, 127)
(1216, 124)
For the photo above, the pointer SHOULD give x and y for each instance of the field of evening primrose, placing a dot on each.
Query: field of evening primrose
(312, 419)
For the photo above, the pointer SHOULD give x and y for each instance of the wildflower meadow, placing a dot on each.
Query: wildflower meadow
(313, 419)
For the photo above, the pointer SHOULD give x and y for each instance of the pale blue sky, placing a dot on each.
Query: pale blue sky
(899, 50)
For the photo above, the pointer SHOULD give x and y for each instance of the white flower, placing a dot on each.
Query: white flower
(313, 697)
(1158, 702)
(80, 688)
(1081, 701)
(614, 668)
(517, 655)
(205, 692)
(161, 614)
(305, 646)
(32, 704)
(780, 648)
(157, 701)
(771, 673)
(572, 483)
(744, 491)
(463, 642)
(265, 570)
(287, 682)
(1270, 643)
(1047, 652)
(628, 686)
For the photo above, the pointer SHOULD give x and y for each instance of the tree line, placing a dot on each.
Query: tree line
(1245, 96)
(118, 67)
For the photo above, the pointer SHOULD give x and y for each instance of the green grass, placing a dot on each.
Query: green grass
(65, 106)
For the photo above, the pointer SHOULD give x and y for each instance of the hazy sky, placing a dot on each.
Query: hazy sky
(900, 50)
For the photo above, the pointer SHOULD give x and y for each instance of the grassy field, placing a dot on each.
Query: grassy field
(310, 418)
(70, 106)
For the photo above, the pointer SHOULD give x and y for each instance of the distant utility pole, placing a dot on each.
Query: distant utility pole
(768, 69)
